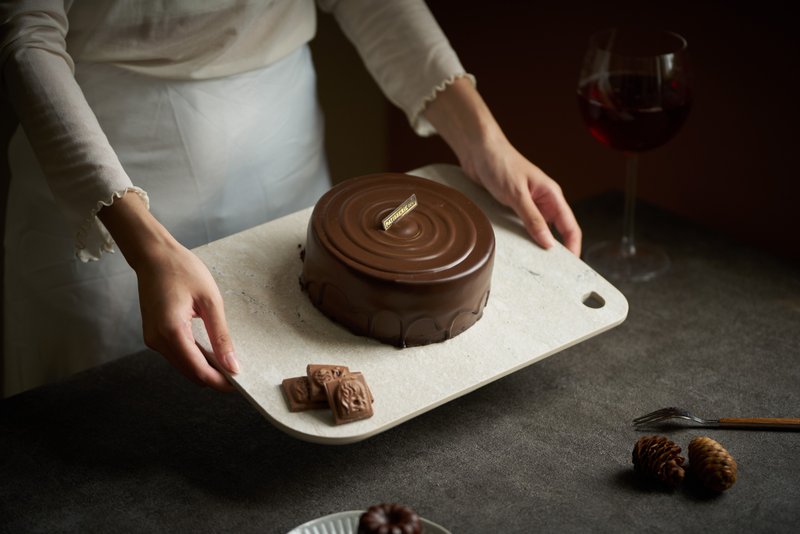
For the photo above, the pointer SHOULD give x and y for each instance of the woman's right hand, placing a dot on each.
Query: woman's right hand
(174, 288)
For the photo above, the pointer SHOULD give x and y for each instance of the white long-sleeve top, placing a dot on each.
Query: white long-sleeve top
(40, 40)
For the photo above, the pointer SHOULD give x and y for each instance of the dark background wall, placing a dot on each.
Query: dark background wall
(731, 168)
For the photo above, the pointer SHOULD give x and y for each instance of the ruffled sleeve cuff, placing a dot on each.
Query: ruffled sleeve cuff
(404, 50)
(416, 117)
(92, 238)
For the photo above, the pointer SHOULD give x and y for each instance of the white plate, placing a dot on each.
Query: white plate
(347, 523)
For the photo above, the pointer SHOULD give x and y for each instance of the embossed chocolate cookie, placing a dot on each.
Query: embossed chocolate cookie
(319, 374)
(349, 398)
(298, 395)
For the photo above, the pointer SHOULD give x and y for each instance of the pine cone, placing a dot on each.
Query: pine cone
(712, 464)
(659, 458)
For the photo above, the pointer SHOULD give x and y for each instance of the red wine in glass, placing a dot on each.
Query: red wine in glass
(618, 115)
(633, 95)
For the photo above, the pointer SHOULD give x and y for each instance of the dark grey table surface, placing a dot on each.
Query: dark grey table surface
(132, 446)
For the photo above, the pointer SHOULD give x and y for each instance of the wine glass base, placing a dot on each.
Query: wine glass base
(615, 262)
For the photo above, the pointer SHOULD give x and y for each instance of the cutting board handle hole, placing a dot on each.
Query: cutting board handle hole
(593, 300)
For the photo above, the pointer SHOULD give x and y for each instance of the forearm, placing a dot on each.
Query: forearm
(465, 122)
(135, 230)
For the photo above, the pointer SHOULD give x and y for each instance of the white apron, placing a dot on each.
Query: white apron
(216, 156)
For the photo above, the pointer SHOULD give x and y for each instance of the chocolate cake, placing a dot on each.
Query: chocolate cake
(423, 280)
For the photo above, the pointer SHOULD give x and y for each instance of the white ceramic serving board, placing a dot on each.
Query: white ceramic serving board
(536, 309)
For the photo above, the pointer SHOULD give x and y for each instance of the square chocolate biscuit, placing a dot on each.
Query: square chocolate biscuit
(349, 398)
(298, 395)
(318, 374)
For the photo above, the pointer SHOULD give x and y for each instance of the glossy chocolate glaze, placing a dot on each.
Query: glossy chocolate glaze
(424, 280)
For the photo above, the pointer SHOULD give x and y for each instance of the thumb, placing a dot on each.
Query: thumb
(217, 328)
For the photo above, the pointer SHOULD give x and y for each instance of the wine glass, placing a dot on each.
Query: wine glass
(633, 93)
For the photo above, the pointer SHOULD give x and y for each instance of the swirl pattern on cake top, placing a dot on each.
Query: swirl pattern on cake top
(424, 280)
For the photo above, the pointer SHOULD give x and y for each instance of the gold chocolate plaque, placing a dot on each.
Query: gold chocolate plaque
(408, 204)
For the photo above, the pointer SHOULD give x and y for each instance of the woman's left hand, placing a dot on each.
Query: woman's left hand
(522, 186)
(462, 118)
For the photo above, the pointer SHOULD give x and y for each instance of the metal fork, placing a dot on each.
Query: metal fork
(665, 414)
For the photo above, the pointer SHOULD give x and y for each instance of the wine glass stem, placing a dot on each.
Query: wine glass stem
(631, 171)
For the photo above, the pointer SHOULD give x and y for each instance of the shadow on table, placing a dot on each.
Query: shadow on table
(140, 423)
(691, 488)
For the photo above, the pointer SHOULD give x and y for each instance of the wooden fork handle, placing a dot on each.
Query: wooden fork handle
(789, 423)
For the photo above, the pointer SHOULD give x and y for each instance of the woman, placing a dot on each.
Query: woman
(163, 127)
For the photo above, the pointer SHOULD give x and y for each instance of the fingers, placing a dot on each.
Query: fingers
(535, 197)
(566, 224)
(568, 227)
(532, 218)
(212, 313)
(176, 343)
(200, 366)
(542, 206)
